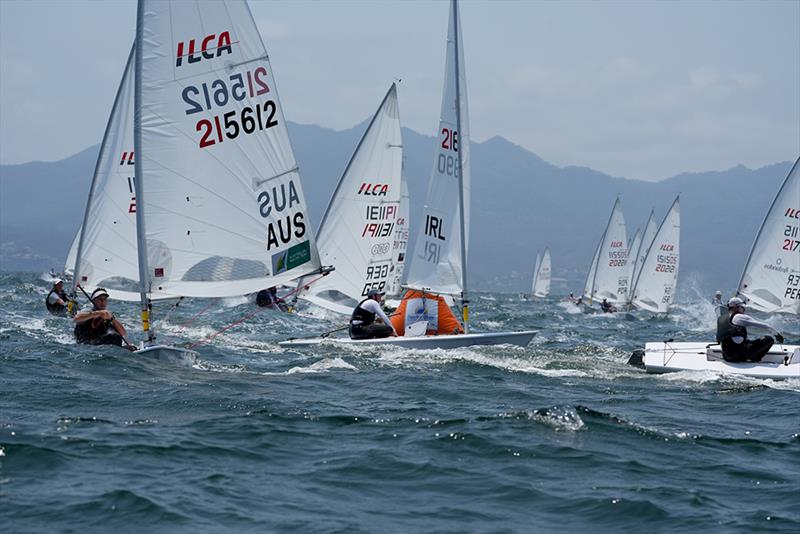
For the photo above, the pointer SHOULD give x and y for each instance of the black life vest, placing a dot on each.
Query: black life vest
(726, 330)
(360, 314)
(55, 308)
(91, 331)
(265, 299)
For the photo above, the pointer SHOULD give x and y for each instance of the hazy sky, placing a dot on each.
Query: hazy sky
(636, 89)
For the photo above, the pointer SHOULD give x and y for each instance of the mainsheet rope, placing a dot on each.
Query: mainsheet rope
(253, 314)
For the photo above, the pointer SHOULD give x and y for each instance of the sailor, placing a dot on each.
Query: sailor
(607, 307)
(719, 307)
(363, 324)
(572, 298)
(732, 335)
(95, 325)
(57, 300)
(268, 298)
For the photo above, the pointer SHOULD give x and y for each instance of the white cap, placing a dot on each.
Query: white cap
(99, 292)
(735, 302)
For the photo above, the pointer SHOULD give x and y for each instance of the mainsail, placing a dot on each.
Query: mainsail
(220, 206)
(608, 277)
(438, 262)
(541, 277)
(654, 288)
(103, 253)
(633, 249)
(400, 243)
(358, 229)
(638, 256)
(771, 278)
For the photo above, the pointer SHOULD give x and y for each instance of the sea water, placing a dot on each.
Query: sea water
(561, 435)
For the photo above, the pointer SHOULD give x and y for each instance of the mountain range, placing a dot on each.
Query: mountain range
(520, 204)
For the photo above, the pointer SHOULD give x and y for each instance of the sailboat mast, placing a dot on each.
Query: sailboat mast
(76, 271)
(141, 242)
(464, 295)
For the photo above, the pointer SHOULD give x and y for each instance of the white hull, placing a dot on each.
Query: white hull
(424, 342)
(782, 361)
(165, 353)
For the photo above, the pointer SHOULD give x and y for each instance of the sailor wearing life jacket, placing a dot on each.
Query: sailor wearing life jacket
(95, 325)
(732, 335)
(363, 323)
(56, 301)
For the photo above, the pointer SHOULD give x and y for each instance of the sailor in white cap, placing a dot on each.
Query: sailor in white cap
(57, 300)
(96, 325)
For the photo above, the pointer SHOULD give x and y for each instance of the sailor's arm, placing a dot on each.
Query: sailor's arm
(740, 319)
(375, 308)
(84, 316)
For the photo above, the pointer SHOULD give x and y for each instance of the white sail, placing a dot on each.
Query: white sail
(771, 278)
(610, 277)
(587, 287)
(437, 264)
(400, 243)
(633, 249)
(106, 241)
(536, 265)
(357, 232)
(640, 253)
(220, 201)
(654, 288)
(541, 281)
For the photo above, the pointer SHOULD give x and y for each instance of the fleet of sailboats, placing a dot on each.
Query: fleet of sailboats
(196, 193)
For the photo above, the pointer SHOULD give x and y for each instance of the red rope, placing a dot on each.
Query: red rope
(252, 314)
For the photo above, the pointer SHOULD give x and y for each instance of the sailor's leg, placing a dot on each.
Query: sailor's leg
(759, 348)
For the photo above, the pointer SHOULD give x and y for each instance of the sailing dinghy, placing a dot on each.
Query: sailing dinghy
(541, 275)
(357, 230)
(782, 361)
(770, 282)
(654, 287)
(220, 210)
(608, 275)
(438, 265)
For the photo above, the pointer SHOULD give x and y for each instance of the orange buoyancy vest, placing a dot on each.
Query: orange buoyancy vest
(418, 306)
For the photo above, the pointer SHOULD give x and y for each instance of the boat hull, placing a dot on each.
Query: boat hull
(424, 342)
(166, 353)
(781, 362)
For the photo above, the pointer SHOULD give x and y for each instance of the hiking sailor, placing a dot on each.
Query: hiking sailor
(95, 325)
(363, 323)
(57, 300)
(268, 298)
(732, 335)
(607, 307)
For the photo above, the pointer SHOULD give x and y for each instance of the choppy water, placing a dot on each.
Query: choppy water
(560, 435)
